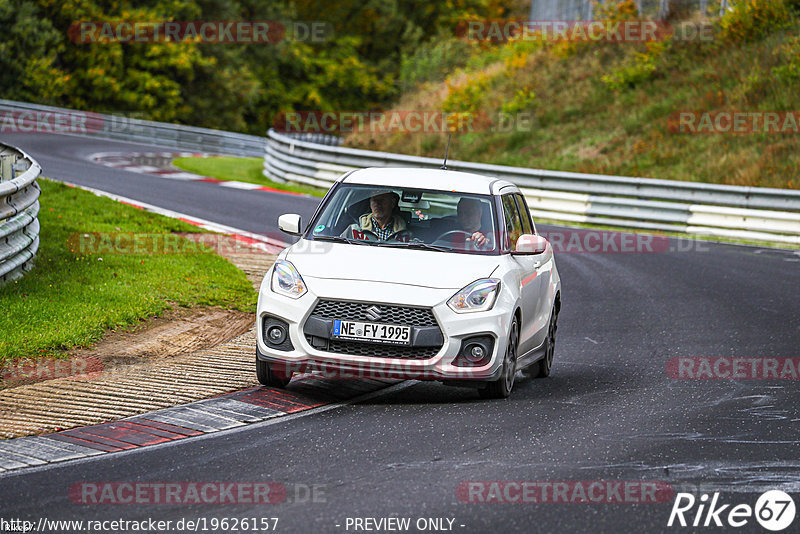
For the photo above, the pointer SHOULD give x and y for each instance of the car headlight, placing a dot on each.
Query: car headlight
(287, 281)
(476, 297)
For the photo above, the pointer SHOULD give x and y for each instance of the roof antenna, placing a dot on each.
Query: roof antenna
(446, 151)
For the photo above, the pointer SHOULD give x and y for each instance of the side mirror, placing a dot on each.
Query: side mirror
(290, 223)
(531, 244)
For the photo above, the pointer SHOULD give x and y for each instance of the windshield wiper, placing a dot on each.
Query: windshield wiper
(393, 244)
(414, 244)
(339, 239)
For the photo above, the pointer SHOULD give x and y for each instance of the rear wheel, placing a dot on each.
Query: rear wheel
(541, 369)
(501, 388)
(269, 377)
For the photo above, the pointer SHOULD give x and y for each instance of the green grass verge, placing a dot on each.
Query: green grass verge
(69, 300)
(240, 169)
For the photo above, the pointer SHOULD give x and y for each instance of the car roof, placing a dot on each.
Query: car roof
(419, 178)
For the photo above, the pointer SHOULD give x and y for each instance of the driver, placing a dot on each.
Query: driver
(470, 213)
(383, 221)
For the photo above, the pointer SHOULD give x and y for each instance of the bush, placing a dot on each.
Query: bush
(522, 100)
(642, 68)
(467, 97)
(750, 20)
(617, 11)
(433, 61)
(790, 54)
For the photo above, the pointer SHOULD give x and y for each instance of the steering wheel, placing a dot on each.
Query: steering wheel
(454, 232)
(466, 235)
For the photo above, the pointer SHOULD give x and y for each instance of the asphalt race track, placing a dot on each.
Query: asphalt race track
(66, 158)
(610, 412)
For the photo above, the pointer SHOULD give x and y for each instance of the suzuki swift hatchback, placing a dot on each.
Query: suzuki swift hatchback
(412, 273)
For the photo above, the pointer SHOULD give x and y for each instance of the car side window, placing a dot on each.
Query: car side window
(513, 222)
(525, 214)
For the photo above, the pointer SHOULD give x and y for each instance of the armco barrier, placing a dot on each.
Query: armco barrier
(752, 213)
(23, 117)
(19, 206)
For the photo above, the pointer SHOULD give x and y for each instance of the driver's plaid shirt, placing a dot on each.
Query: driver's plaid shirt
(382, 233)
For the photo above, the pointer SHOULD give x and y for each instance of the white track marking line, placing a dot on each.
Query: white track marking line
(240, 185)
(140, 169)
(209, 225)
(178, 175)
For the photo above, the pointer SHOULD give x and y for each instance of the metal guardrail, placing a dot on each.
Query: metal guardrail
(752, 213)
(666, 205)
(19, 206)
(24, 117)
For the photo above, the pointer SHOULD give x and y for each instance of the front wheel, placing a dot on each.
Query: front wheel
(501, 388)
(541, 369)
(268, 377)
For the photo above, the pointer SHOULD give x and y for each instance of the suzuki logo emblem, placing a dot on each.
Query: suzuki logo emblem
(373, 313)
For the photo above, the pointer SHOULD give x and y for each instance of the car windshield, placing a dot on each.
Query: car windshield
(412, 218)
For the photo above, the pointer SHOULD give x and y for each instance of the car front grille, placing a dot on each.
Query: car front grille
(366, 312)
(389, 314)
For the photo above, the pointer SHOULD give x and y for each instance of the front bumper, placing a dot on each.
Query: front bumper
(455, 328)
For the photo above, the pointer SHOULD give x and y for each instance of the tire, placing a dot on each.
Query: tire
(542, 368)
(268, 377)
(501, 388)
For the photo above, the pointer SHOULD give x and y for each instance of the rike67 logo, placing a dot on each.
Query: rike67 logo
(774, 510)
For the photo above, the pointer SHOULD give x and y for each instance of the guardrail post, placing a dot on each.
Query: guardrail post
(21, 165)
(6, 167)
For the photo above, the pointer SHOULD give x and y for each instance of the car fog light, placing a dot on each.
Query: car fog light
(276, 335)
(476, 353)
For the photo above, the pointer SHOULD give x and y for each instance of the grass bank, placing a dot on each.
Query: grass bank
(70, 299)
(612, 108)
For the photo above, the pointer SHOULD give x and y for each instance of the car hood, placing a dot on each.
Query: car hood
(340, 261)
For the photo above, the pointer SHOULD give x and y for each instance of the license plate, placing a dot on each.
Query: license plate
(378, 333)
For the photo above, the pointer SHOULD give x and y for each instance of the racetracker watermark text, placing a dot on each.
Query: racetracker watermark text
(734, 122)
(401, 121)
(96, 243)
(53, 122)
(731, 368)
(629, 31)
(198, 31)
(577, 241)
(578, 492)
(73, 122)
(26, 369)
(211, 493)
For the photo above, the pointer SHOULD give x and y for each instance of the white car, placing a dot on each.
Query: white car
(412, 273)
